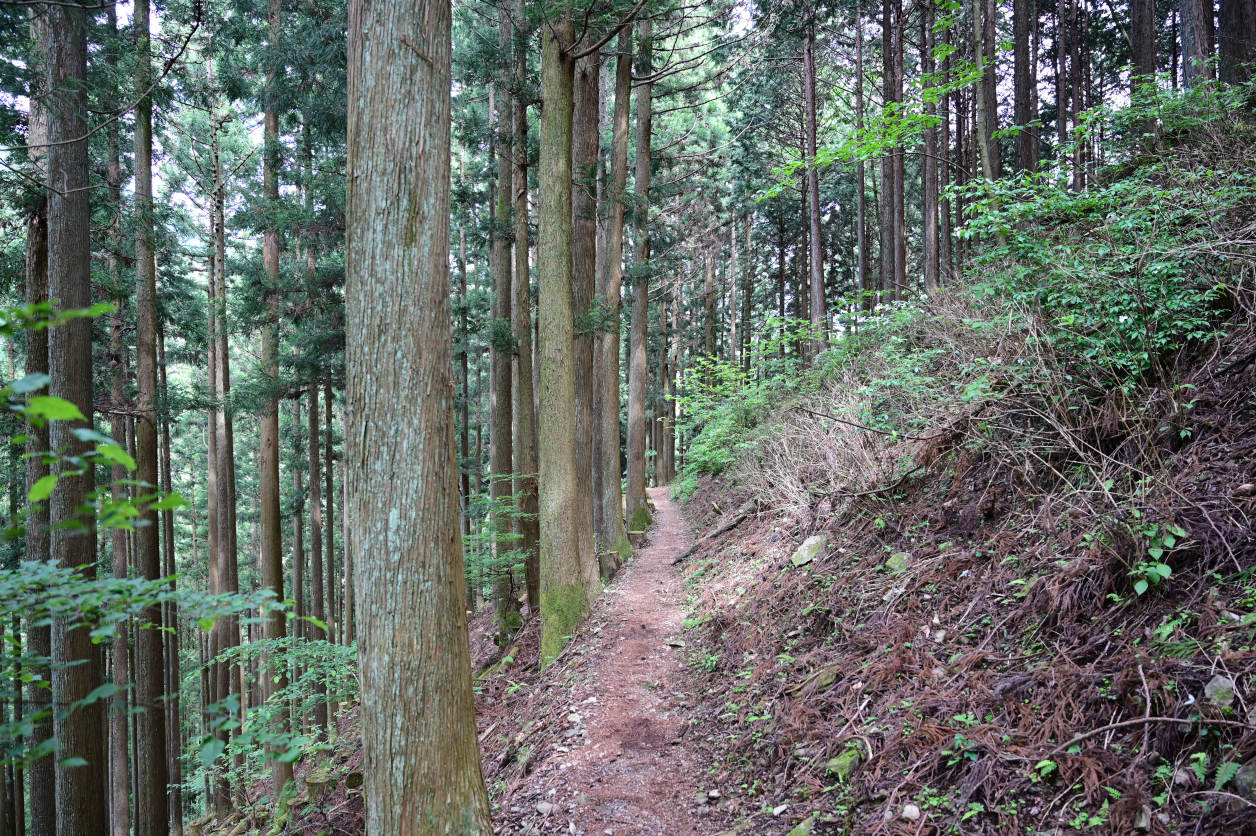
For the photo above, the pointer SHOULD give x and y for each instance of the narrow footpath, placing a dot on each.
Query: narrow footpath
(637, 771)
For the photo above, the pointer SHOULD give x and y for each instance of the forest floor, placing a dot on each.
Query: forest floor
(620, 758)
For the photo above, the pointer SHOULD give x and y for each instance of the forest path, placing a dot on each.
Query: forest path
(638, 771)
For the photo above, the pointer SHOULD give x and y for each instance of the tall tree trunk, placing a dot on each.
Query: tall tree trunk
(733, 275)
(80, 790)
(501, 454)
(43, 802)
(564, 598)
(1196, 41)
(173, 633)
(464, 431)
(611, 526)
(268, 480)
(1236, 40)
(119, 760)
(819, 314)
(298, 532)
(421, 755)
(708, 304)
(900, 183)
(1075, 77)
(1142, 44)
(747, 296)
(982, 133)
(330, 528)
(944, 168)
(587, 108)
(151, 812)
(1023, 14)
(861, 180)
(990, 85)
(888, 248)
(526, 442)
(317, 593)
(640, 278)
(929, 165)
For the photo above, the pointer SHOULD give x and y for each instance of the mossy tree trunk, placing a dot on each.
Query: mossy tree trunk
(564, 598)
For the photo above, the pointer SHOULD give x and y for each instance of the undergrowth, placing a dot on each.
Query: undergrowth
(1035, 490)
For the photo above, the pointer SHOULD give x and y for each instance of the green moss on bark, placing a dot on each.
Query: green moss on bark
(641, 520)
(623, 548)
(561, 612)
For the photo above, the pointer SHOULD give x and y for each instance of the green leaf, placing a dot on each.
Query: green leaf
(1140, 586)
(211, 749)
(30, 383)
(117, 455)
(103, 692)
(1224, 773)
(90, 436)
(1157, 553)
(42, 489)
(171, 501)
(71, 763)
(54, 409)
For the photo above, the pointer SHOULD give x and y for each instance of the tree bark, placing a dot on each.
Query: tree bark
(1196, 41)
(564, 598)
(174, 743)
(329, 481)
(1023, 82)
(421, 755)
(819, 314)
(889, 103)
(1142, 44)
(526, 442)
(640, 278)
(80, 791)
(317, 593)
(268, 479)
(501, 454)
(982, 132)
(43, 802)
(152, 815)
(929, 164)
(587, 107)
(119, 759)
(611, 526)
(1236, 41)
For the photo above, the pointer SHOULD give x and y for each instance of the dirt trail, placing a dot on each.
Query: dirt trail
(637, 771)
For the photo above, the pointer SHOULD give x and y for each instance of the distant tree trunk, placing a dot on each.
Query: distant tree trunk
(43, 804)
(152, 815)
(1196, 41)
(990, 86)
(564, 599)
(861, 196)
(1023, 12)
(298, 533)
(982, 133)
(329, 482)
(174, 744)
(888, 246)
(317, 593)
(421, 758)
(660, 409)
(733, 275)
(119, 759)
(1075, 78)
(819, 314)
(929, 164)
(611, 526)
(501, 453)
(80, 790)
(944, 169)
(1142, 44)
(268, 479)
(587, 108)
(526, 442)
(640, 279)
(464, 430)
(1237, 40)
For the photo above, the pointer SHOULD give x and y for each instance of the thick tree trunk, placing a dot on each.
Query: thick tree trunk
(421, 755)
(611, 526)
(586, 111)
(640, 279)
(819, 314)
(526, 442)
(1196, 41)
(317, 593)
(1023, 12)
(151, 817)
(43, 803)
(501, 454)
(564, 598)
(119, 759)
(271, 558)
(1236, 40)
(81, 796)
(1142, 43)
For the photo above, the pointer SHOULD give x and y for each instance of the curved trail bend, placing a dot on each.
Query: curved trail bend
(638, 771)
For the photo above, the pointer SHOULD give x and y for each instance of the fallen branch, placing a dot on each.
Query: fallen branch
(1141, 720)
(729, 526)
